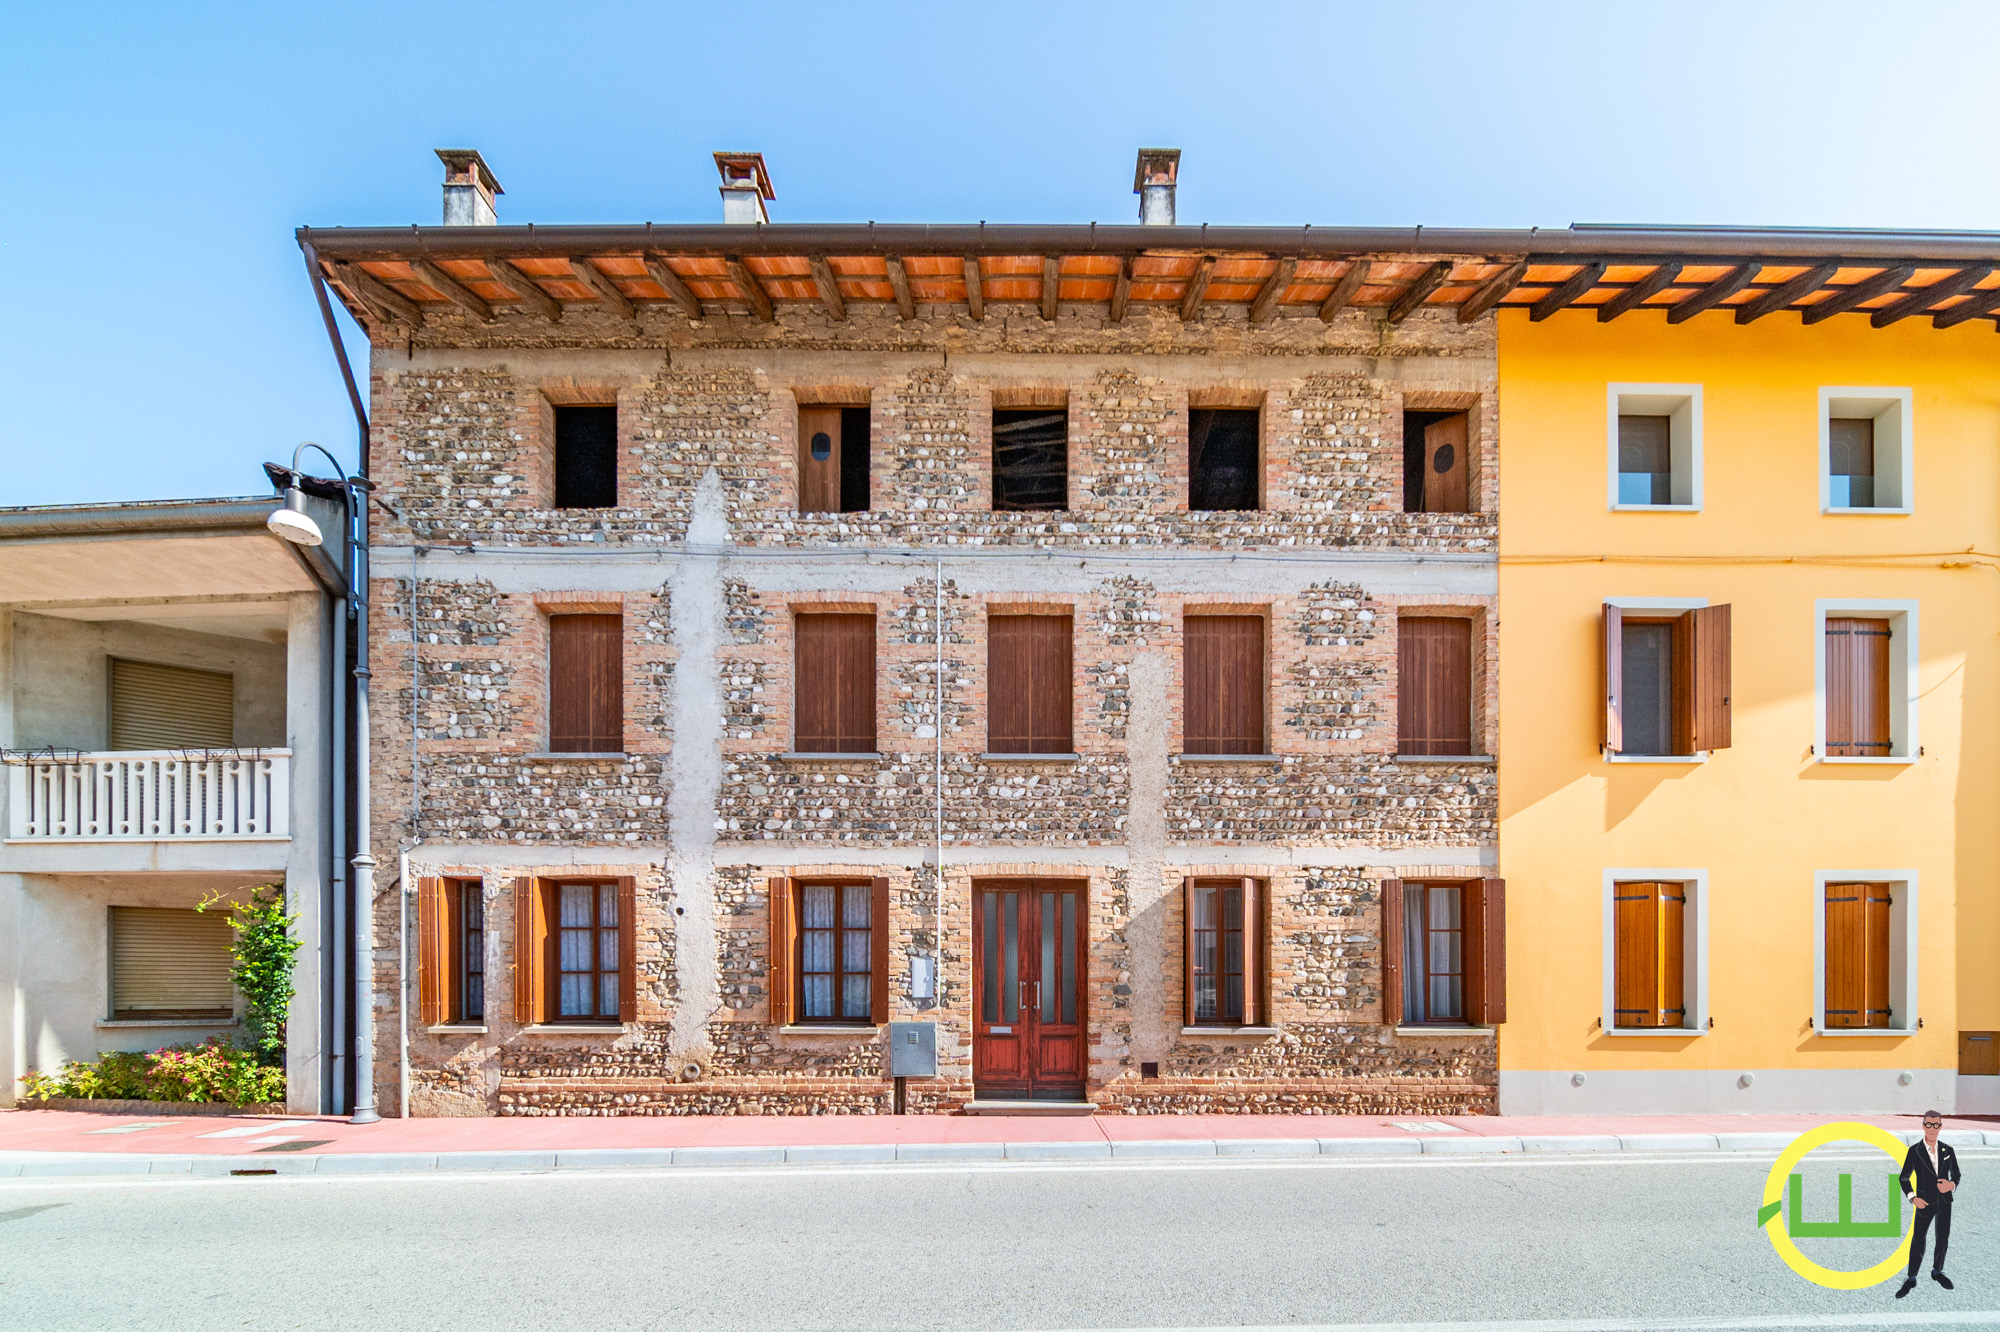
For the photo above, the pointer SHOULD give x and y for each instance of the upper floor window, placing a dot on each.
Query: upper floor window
(1028, 686)
(1655, 446)
(1436, 466)
(834, 684)
(586, 684)
(833, 460)
(586, 457)
(1866, 664)
(1666, 671)
(1433, 685)
(170, 707)
(1031, 458)
(1222, 684)
(1865, 459)
(1225, 465)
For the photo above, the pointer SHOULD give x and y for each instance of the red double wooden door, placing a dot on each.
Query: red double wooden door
(1028, 995)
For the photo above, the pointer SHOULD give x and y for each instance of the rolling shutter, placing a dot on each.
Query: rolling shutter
(170, 963)
(170, 707)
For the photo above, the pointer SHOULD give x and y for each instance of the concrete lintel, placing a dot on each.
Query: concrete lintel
(445, 856)
(603, 366)
(263, 856)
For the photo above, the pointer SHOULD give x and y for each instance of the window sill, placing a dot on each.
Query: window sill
(608, 756)
(1902, 512)
(1444, 1029)
(575, 1029)
(1029, 758)
(1864, 1031)
(807, 756)
(829, 1029)
(1229, 758)
(1229, 1031)
(1487, 759)
(168, 1022)
(1653, 1031)
(1891, 759)
(456, 1029)
(1656, 758)
(1656, 508)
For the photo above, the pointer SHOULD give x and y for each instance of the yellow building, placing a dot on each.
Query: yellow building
(1747, 674)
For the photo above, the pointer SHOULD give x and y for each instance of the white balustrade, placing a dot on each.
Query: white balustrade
(150, 795)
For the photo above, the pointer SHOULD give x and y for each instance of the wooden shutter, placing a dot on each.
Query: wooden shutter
(1433, 685)
(878, 952)
(779, 950)
(628, 949)
(1392, 952)
(835, 685)
(586, 684)
(1222, 667)
(172, 963)
(1857, 688)
(1187, 952)
(531, 942)
(1445, 470)
(1635, 911)
(434, 950)
(1978, 1054)
(1701, 680)
(1875, 977)
(1612, 732)
(1028, 684)
(1673, 955)
(1857, 955)
(1254, 978)
(1491, 996)
(819, 478)
(170, 707)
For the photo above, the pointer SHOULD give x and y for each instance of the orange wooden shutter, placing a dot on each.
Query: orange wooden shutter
(1253, 954)
(531, 935)
(878, 952)
(1875, 923)
(1846, 956)
(1673, 955)
(1708, 658)
(628, 950)
(1187, 952)
(1612, 720)
(1857, 688)
(778, 949)
(1492, 952)
(1392, 952)
(1635, 933)
(433, 952)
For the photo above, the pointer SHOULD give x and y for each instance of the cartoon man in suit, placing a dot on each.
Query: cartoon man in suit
(1930, 1177)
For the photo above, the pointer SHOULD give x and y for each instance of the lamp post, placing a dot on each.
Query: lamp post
(294, 524)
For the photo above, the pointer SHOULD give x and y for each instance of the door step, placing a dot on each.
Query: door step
(1045, 1108)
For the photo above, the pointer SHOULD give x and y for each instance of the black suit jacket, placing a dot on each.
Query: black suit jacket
(1919, 1179)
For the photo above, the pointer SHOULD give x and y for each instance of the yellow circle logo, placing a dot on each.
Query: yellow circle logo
(1781, 1229)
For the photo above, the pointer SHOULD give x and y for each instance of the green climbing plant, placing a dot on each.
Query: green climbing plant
(263, 948)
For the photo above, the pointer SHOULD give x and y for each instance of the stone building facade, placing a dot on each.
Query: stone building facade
(708, 808)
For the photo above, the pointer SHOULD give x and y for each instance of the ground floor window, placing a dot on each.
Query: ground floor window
(171, 963)
(829, 951)
(1224, 952)
(1444, 952)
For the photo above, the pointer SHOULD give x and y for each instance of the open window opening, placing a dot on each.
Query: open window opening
(1031, 459)
(1865, 668)
(586, 457)
(1225, 465)
(1864, 450)
(1655, 447)
(1223, 953)
(1444, 952)
(833, 460)
(1436, 468)
(1866, 929)
(1666, 681)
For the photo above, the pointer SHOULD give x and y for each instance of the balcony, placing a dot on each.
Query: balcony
(150, 796)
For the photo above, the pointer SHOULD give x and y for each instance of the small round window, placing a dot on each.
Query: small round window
(822, 446)
(1439, 464)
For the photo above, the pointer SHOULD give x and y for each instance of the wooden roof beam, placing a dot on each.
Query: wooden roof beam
(1274, 286)
(1121, 289)
(1783, 295)
(1965, 279)
(1639, 292)
(1574, 286)
(1491, 291)
(377, 295)
(899, 282)
(452, 290)
(753, 291)
(1051, 284)
(1197, 289)
(1343, 290)
(1419, 291)
(829, 288)
(607, 291)
(1846, 298)
(1715, 293)
(1973, 306)
(677, 290)
(525, 288)
(975, 288)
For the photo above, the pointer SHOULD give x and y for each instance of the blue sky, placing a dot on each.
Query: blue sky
(160, 338)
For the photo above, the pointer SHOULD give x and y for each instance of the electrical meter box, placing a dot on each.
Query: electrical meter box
(913, 1049)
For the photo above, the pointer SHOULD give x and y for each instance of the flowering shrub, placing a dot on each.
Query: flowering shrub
(214, 1070)
(263, 948)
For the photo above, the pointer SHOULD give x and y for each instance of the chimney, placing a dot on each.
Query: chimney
(468, 188)
(1154, 184)
(745, 187)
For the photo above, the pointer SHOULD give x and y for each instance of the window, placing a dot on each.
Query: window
(170, 707)
(1028, 664)
(1867, 659)
(574, 942)
(1866, 939)
(171, 964)
(1865, 457)
(1224, 465)
(1223, 954)
(451, 951)
(1222, 686)
(835, 684)
(586, 457)
(586, 684)
(1031, 458)
(1666, 680)
(1655, 446)
(833, 460)
(1444, 952)
(1433, 685)
(1436, 467)
(1650, 924)
(829, 951)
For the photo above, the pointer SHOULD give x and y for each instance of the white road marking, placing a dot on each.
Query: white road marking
(1954, 1319)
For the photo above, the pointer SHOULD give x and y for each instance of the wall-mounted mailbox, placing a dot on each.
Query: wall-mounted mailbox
(913, 1049)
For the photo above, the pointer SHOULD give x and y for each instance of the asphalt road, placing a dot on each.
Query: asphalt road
(1500, 1243)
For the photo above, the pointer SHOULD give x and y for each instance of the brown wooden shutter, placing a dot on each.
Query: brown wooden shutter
(531, 940)
(170, 707)
(1612, 719)
(878, 952)
(1433, 685)
(1875, 924)
(1222, 683)
(434, 969)
(835, 685)
(779, 948)
(1846, 956)
(1857, 688)
(1708, 662)
(1187, 952)
(1635, 914)
(1392, 952)
(1673, 955)
(819, 477)
(1028, 689)
(1254, 977)
(586, 684)
(628, 949)
(1445, 470)
(1492, 952)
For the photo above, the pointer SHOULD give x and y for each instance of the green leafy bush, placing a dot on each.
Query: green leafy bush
(264, 948)
(213, 1070)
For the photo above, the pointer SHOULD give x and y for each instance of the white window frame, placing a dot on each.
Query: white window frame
(1681, 403)
(1694, 950)
(1904, 744)
(1903, 931)
(1890, 409)
(1656, 604)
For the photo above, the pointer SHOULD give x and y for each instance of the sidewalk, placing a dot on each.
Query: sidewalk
(58, 1142)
